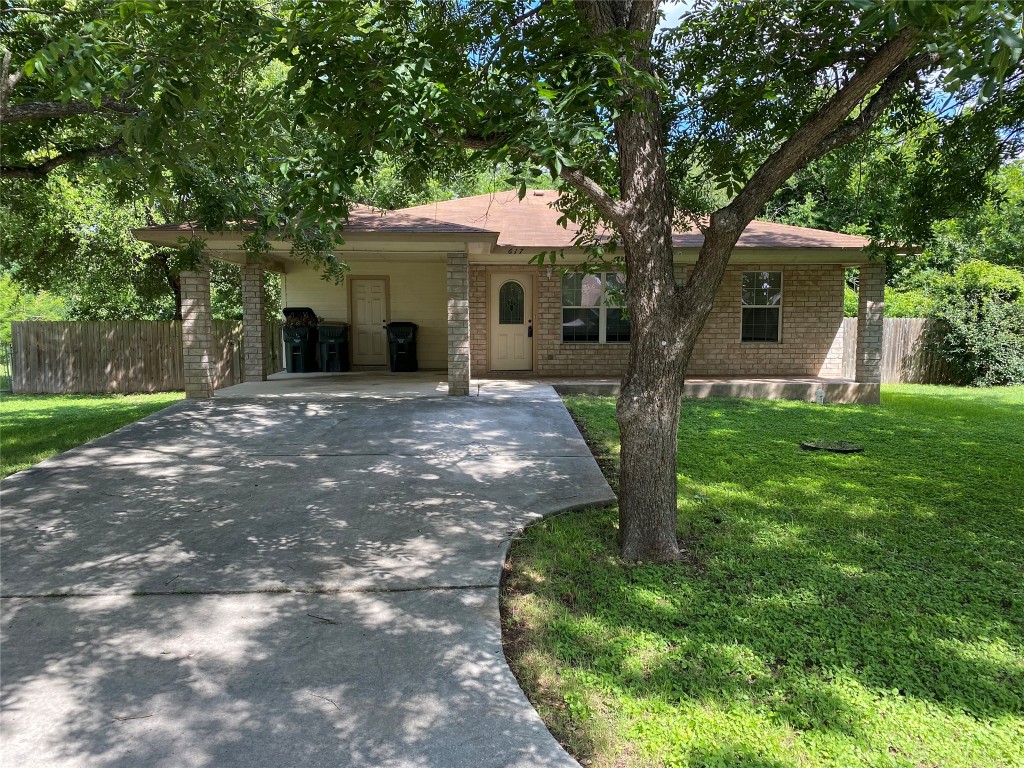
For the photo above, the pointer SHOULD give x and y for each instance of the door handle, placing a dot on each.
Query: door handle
(529, 331)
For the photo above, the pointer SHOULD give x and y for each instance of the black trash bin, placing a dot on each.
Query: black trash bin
(402, 347)
(334, 347)
(300, 339)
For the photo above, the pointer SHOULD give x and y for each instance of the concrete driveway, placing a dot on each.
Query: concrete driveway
(296, 581)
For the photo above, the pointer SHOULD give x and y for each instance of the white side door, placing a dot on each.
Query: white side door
(369, 313)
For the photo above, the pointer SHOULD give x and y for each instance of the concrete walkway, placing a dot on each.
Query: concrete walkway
(281, 582)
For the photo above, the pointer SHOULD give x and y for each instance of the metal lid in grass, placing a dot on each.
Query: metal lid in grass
(834, 446)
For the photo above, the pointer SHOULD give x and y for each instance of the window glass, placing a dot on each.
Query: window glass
(593, 309)
(762, 289)
(571, 284)
(617, 326)
(581, 326)
(761, 323)
(760, 302)
(615, 289)
(591, 291)
(511, 303)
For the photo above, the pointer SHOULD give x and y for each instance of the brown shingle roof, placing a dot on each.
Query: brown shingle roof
(533, 223)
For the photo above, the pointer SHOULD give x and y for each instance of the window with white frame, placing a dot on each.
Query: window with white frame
(593, 308)
(761, 307)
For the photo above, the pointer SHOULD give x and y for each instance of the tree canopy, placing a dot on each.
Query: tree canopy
(151, 84)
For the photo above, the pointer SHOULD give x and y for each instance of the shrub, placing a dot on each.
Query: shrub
(979, 311)
(905, 303)
(850, 302)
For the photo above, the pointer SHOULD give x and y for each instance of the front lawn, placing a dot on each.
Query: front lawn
(832, 610)
(35, 427)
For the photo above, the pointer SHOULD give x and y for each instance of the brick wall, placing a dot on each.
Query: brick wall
(812, 319)
(478, 316)
(557, 359)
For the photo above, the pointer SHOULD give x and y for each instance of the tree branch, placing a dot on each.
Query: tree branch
(41, 170)
(7, 80)
(43, 110)
(798, 149)
(888, 66)
(855, 127)
(528, 13)
(613, 210)
(17, 9)
(475, 141)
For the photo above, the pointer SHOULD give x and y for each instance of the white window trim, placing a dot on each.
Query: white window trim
(602, 308)
(782, 301)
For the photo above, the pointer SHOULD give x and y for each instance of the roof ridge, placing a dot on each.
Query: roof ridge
(463, 199)
(807, 229)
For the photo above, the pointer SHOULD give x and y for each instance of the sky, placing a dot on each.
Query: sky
(673, 10)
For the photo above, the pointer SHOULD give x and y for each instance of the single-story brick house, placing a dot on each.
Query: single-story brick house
(461, 270)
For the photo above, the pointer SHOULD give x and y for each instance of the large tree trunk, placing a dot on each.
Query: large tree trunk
(665, 325)
(666, 320)
(648, 416)
(648, 407)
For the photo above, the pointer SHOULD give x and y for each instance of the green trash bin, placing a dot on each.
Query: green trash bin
(402, 347)
(300, 340)
(334, 347)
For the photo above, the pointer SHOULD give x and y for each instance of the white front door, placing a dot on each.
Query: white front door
(369, 313)
(511, 321)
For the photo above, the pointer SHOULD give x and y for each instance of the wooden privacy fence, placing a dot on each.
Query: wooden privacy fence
(906, 358)
(121, 356)
(145, 356)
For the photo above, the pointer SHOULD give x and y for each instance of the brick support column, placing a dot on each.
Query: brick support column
(253, 328)
(197, 332)
(458, 323)
(870, 314)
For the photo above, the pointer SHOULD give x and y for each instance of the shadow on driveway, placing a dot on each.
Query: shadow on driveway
(281, 583)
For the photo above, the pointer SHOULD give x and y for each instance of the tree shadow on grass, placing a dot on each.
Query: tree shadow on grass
(830, 588)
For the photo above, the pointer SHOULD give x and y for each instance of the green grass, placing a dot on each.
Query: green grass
(831, 610)
(5, 367)
(35, 427)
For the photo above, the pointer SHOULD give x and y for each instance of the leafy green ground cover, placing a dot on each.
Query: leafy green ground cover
(35, 427)
(832, 610)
